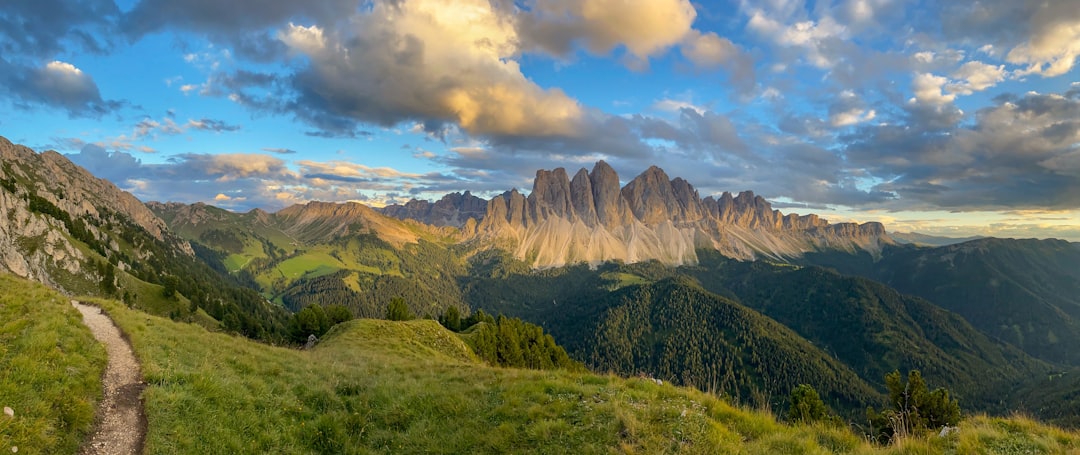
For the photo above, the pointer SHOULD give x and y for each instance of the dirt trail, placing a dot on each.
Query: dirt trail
(121, 422)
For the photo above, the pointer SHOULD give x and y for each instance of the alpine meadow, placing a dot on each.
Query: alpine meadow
(539, 226)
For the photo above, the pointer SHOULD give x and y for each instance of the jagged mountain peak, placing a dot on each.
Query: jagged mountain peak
(453, 209)
(654, 217)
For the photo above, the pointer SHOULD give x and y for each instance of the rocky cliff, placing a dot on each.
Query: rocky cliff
(61, 219)
(590, 219)
(454, 209)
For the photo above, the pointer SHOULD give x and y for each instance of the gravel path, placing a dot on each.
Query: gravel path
(121, 422)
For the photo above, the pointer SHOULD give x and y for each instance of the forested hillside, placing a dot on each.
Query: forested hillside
(868, 327)
(1023, 292)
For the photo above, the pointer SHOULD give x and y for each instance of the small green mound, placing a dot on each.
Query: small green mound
(50, 370)
(418, 339)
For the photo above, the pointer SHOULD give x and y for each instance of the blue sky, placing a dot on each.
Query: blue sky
(950, 118)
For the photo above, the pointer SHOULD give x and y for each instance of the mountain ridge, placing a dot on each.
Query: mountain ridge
(591, 219)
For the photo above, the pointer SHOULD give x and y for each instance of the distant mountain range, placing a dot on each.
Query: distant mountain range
(928, 240)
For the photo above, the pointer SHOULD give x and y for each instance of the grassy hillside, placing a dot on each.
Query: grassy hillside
(409, 387)
(50, 370)
(355, 267)
(402, 387)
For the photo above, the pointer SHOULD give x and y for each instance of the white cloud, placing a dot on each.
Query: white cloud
(708, 49)
(771, 93)
(924, 57)
(852, 117)
(1054, 44)
(422, 60)
(809, 36)
(975, 77)
(644, 28)
(928, 89)
(849, 109)
(670, 105)
(308, 40)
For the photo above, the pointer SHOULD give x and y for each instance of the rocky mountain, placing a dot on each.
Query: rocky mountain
(61, 219)
(454, 209)
(82, 235)
(591, 219)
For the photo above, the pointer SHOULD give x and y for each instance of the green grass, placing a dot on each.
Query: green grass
(408, 387)
(310, 264)
(50, 370)
(391, 387)
(621, 280)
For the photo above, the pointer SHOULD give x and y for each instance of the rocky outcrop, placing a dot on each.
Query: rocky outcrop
(51, 205)
(591, 219)
(454, 209)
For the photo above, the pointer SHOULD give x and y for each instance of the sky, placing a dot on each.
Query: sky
(946, 118)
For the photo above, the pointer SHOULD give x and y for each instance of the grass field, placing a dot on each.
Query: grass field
(392, 387)
(50, 370)
(409, 387)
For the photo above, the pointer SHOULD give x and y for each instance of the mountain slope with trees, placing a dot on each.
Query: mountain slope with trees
(1023, 292)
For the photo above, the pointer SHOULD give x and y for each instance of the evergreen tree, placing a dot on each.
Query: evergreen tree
(451, 319)
(397, 310)
(336, 314)
(914, 408)
(806, 405)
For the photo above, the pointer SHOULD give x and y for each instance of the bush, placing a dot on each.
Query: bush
(806, 405)
(397, 310)
(912, 408)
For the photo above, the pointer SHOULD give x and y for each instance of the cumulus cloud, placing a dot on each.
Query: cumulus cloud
(643, 28)
(421, 61)
(45, 28)
(149, 127)
(975, 77)
(55, 84)
(818, 41)
(849, 109)
(1020, 152)
(1054, 43)
(249, 180)
(709, 50)
(928, 89)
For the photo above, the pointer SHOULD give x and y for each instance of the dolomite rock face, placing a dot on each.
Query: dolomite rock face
(591, 219)
(454, 209)
(41, 195)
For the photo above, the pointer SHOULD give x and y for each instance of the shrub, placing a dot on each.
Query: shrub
(912, 408)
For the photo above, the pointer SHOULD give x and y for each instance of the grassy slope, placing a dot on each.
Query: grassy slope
(50, 370)
(378, 386)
